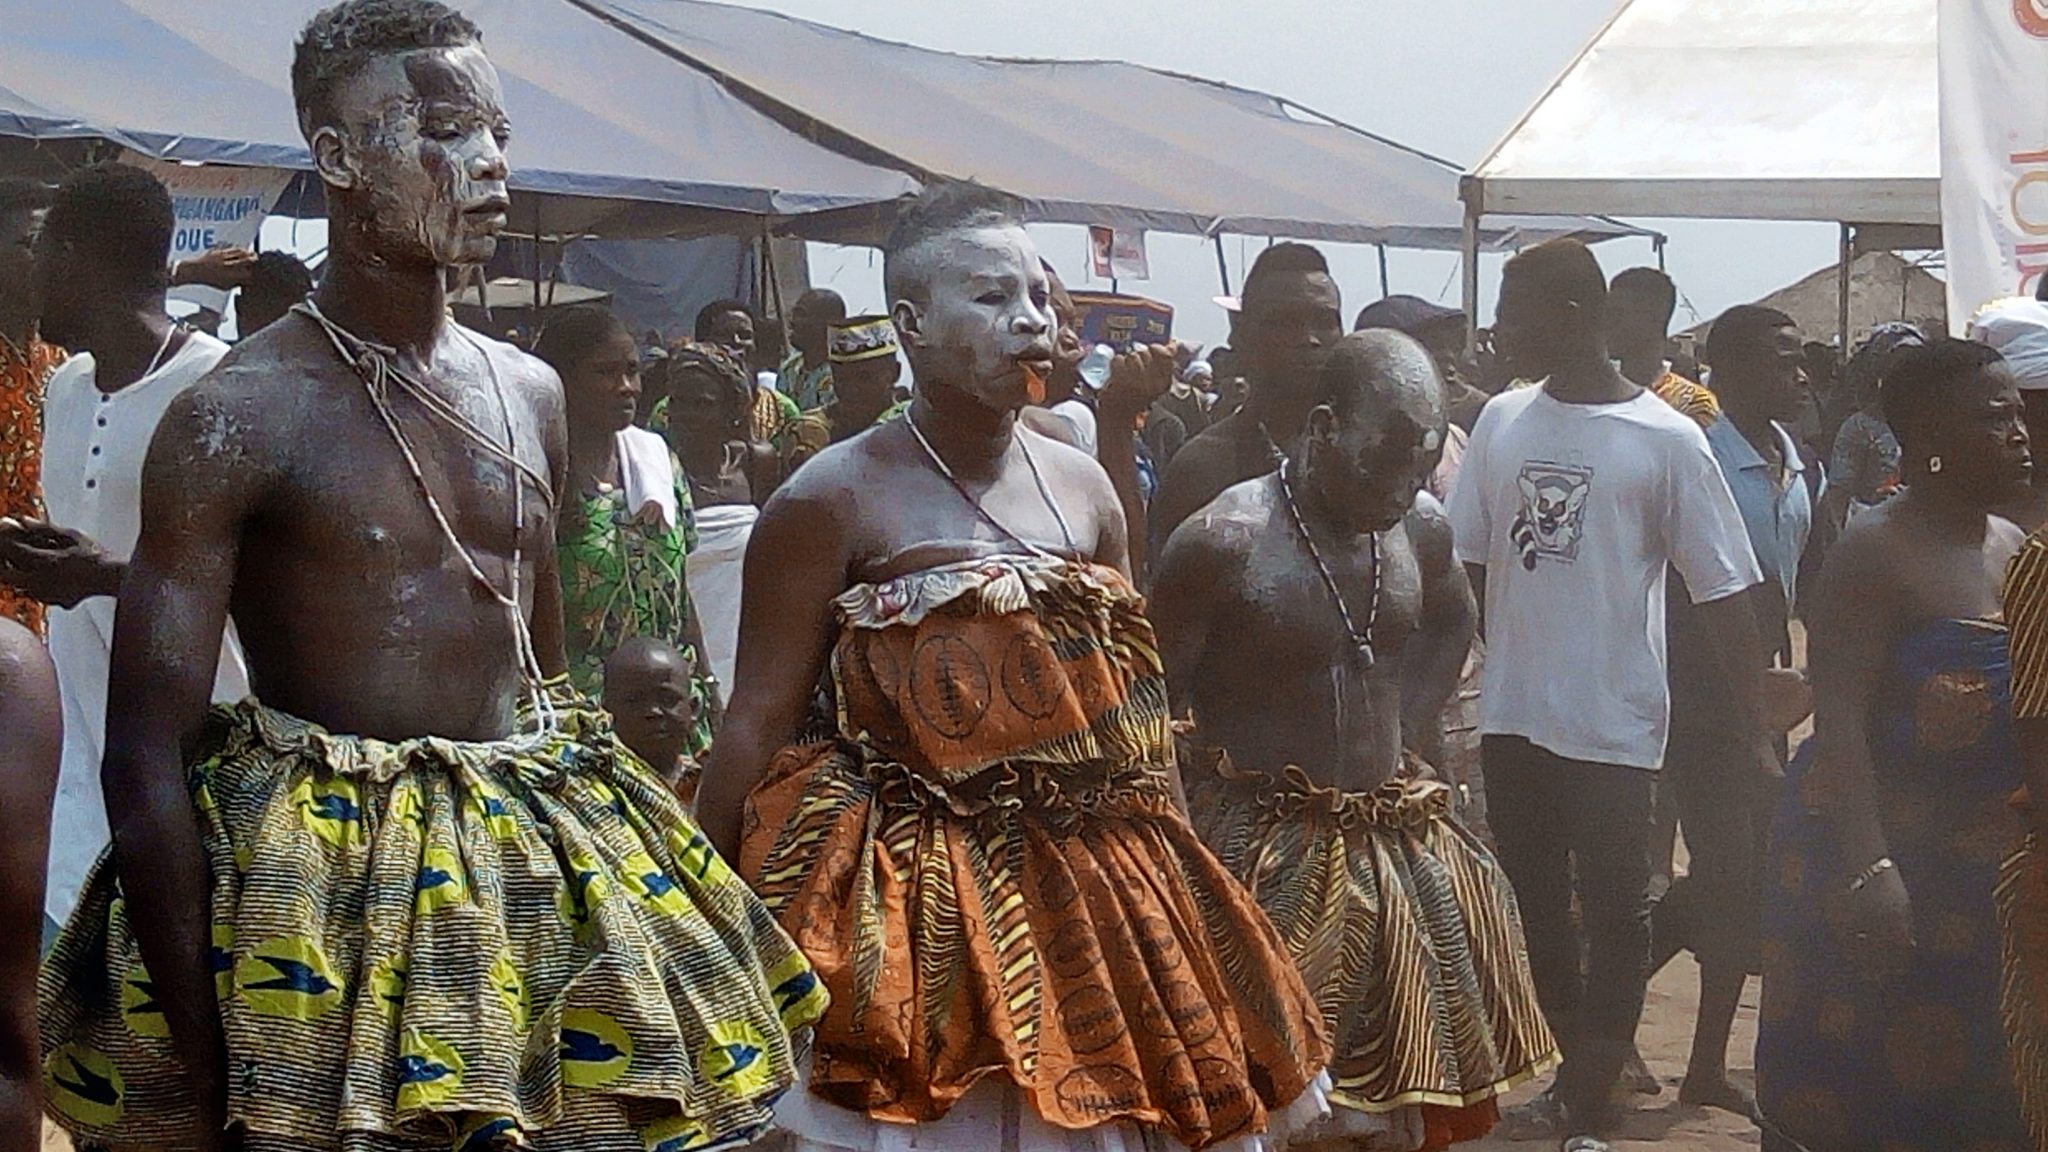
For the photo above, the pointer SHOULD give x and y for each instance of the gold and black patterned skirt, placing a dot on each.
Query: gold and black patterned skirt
(2022, 896)
(441, 944)
(1403, 926)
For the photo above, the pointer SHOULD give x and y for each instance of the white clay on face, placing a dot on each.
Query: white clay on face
(986, 311)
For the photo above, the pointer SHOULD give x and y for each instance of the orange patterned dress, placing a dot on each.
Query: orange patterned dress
(22, 374)
(986, 867)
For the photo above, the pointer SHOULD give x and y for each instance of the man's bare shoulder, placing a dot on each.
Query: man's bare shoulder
(1227, 526)
(260, 391)
(527, 378)
(1213, 447)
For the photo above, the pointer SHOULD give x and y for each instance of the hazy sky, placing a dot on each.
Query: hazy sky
(1447, 76)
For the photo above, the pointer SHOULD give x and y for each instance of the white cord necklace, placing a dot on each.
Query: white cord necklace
(938, 462)
(372, 363)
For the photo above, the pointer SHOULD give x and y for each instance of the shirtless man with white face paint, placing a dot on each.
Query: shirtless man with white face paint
(420, 891)
(978, 844)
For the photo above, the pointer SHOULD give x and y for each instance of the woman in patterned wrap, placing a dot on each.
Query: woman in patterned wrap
(980, 845)
(1880, 1017)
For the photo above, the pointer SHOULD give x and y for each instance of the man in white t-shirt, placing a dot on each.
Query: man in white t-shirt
(100, 274)
(1574, 498)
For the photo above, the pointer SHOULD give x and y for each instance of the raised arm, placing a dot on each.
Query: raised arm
(199, 484)
(797, 561)
(1450, 618)
(30, 743)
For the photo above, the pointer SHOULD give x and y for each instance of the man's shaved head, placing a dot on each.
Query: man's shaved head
(1381, 371)
(1377, 430)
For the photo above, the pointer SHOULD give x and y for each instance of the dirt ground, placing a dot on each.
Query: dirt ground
(1659, 1122)
(1665, 1037)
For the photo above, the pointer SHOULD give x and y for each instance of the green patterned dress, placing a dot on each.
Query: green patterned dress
(624, 576)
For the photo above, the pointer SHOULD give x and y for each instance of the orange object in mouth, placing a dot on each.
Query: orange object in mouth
(1034, 385)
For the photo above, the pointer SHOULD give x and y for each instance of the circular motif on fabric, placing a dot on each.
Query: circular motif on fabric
(1224, 1091)
(1100, 1090)
(1091, 1019)
(221, 959)
(486, 1132)
(331, 809)
(429, 1072)
(84, 1085)
(139, 1007)
(387, 988)
(1159, 944)
(1188, 1007)
(289, 979)
(676, 1134)
(949, 685)
(736, 1059)
(510, 985)
(695, 856)
(595, 1050)
(879, 656)
(1073, 951)
(1056, 888)
(1927, 1049)
(441, 881)
(1952, 710)
(1033, 681)
(645, 879)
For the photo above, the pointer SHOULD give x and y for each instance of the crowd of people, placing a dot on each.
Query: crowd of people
(408, 739)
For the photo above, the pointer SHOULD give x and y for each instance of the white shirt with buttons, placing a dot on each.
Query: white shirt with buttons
(93, 449)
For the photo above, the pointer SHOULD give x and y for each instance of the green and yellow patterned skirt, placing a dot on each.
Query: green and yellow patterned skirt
(433, 943)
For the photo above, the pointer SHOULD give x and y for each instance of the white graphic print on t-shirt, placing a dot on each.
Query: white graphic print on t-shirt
(1552, 521)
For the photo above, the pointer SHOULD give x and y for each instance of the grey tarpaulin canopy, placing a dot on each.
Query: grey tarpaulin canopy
(1094, 142)
(609, 134)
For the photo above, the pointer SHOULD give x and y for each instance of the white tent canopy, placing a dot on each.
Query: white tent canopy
(1735, 109)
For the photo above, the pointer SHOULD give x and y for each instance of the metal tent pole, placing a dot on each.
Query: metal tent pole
(1842, 288)
(1383, 271)
(1222, 265)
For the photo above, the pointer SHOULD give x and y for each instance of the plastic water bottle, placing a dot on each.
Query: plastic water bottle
(1095, 366)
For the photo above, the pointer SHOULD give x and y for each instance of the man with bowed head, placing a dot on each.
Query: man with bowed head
(979, 844)
(419, 892)
(1315, 620)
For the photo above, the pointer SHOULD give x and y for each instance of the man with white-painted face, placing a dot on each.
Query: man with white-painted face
(1315, 621)
(978, 841)
(415, 890)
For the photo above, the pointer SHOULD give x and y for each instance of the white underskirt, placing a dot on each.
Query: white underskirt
(994, 1117)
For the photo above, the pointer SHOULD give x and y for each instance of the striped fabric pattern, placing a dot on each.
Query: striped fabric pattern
(2022, 897)
(986, 867)
(434, 944)
(1403, 924)
(2026, 615)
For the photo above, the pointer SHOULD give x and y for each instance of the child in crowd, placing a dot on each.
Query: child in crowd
(647, 691)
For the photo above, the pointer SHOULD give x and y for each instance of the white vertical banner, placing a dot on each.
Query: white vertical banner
(215, 206)
(1994, 150)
